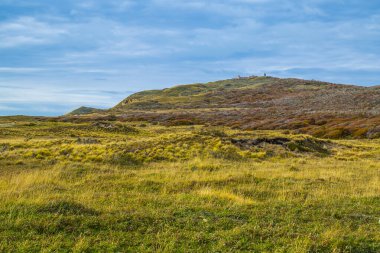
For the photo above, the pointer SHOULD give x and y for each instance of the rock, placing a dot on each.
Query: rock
(304, 145)
(87, 141)
(247, 143)
(374, 133)
(104, 125)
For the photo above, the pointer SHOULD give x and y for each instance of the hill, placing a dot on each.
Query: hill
(261, 93)
(305, 106)
(85, 110)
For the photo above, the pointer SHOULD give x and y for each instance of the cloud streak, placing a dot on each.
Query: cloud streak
(25, 31)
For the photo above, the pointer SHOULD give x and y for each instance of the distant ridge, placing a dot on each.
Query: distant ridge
(85, 110)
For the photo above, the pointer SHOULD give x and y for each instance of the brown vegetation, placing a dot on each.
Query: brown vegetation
(259, 103)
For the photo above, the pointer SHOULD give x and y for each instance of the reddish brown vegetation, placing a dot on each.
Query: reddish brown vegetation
(318, 108)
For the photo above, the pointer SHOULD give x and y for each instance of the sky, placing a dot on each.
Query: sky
(58, 55)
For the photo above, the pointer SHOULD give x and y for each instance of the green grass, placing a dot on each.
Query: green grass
(133, 187)
(186, 95)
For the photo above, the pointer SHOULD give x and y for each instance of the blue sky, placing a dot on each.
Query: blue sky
(58, 55)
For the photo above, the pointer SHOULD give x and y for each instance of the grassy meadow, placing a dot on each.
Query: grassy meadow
(139, 187)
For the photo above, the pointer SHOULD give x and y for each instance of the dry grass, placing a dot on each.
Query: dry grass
(61, 194)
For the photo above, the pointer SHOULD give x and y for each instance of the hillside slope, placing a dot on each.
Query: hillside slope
(305, 106)
(318, 108)
(261, 93)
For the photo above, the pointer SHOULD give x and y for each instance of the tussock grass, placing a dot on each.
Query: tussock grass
(183, 189)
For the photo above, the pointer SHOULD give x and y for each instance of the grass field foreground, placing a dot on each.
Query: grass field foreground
(138, 187)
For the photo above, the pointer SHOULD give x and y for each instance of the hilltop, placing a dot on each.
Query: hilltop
(307, 106)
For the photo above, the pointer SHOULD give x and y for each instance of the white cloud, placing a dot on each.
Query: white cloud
(19, 70)
(57, 96)
(26, 31)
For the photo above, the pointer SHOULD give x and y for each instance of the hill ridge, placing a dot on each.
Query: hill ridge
(192, 95)
(319, 108)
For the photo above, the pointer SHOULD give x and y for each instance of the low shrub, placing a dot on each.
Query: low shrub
(128, 159)
(337, 133)
(228, 152)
